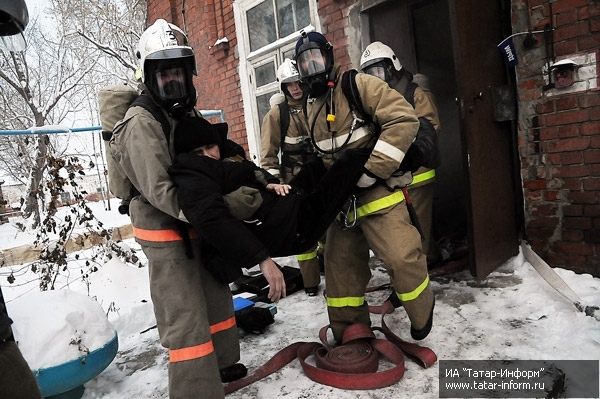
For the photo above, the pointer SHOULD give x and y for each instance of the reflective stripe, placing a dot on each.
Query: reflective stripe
(339, 140)
(191, 352)
(387, 149)
(377, 205)
(307, 256)
(421, 177)
(353, 301)
(294, 140)
(274, 172)
(414, 294)
(165, 235)
(223, 325)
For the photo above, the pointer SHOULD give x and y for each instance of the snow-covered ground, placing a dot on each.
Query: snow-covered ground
(512, 315)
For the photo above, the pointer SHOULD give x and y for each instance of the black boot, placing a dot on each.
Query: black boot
(424, 332)
(393, 298)
(233, 372)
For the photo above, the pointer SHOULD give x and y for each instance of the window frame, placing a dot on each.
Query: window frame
(249, 60)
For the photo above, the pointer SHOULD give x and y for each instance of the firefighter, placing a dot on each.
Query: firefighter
(291, 139)
(380, 60)
(16, 379)
(376, 216)
(194, 311)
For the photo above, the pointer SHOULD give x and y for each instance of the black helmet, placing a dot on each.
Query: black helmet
(13, 20)
(314, 60)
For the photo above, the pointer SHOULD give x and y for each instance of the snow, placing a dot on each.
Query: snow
(513, 314)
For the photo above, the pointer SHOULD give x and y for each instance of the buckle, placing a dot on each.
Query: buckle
(342, 221)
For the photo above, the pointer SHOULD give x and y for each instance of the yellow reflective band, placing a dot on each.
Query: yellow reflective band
(377, 205)
(307, 256)
(353, 301)
(421, 177)
(414, 294)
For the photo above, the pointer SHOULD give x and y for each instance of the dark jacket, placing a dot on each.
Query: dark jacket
(5, 321)
(282, 226)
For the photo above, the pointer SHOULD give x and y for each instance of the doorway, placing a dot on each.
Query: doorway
(475, 185)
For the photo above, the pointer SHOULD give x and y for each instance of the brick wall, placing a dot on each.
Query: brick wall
(559, 132)
(210, 26)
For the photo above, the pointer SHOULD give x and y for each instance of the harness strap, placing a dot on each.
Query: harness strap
(421, 177)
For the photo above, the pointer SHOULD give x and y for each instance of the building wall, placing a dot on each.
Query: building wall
(559, 131)
(210, 27)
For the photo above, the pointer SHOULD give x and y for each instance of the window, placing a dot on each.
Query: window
(267, 32)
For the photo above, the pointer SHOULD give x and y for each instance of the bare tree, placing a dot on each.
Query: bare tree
(86, 45)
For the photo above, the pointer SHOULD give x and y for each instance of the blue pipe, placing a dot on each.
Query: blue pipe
(41, 130)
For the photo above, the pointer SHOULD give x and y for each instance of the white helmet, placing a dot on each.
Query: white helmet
(377, 52)
(164, 50)
(287, 72)
(163, 40)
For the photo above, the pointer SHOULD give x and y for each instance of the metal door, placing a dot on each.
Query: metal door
(487, 144)
(465, 68)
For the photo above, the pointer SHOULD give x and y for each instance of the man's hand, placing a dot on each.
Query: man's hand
(275, 279)
(279, 189)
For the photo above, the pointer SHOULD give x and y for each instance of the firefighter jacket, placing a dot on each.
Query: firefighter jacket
(424, 101)
(390, 112)
(143, 154)
(295, 141)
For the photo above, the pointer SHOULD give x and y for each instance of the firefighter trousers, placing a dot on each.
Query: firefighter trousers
(396, 242)
(196, 322)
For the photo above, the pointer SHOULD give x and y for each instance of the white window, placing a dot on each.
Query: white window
(267, 31)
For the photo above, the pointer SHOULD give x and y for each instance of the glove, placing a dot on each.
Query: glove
(365, 181)
(399, 179)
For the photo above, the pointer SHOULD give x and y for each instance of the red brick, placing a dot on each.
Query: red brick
(572, 235)
(570, 158)
(544, 108)
(588, 42)
(568, 131)
(535, 184)
(566, 103)
(567, 117)
(551, 195)
(591, 156)
(591, 184)
(583, 197)
(565, 17)
(543, 222)
(570, 144)
(577, 223)
(573, 210)
(589, 100)
(565, 5)
(572, 184)
(590, 128)
(543, 210)
(571, 31)
(548, 133)
(592, 210)
(573, 248)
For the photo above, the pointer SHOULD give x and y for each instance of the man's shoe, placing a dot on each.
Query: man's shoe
(424, 332)
(233, 373)
(393, 298)
(312, 291)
